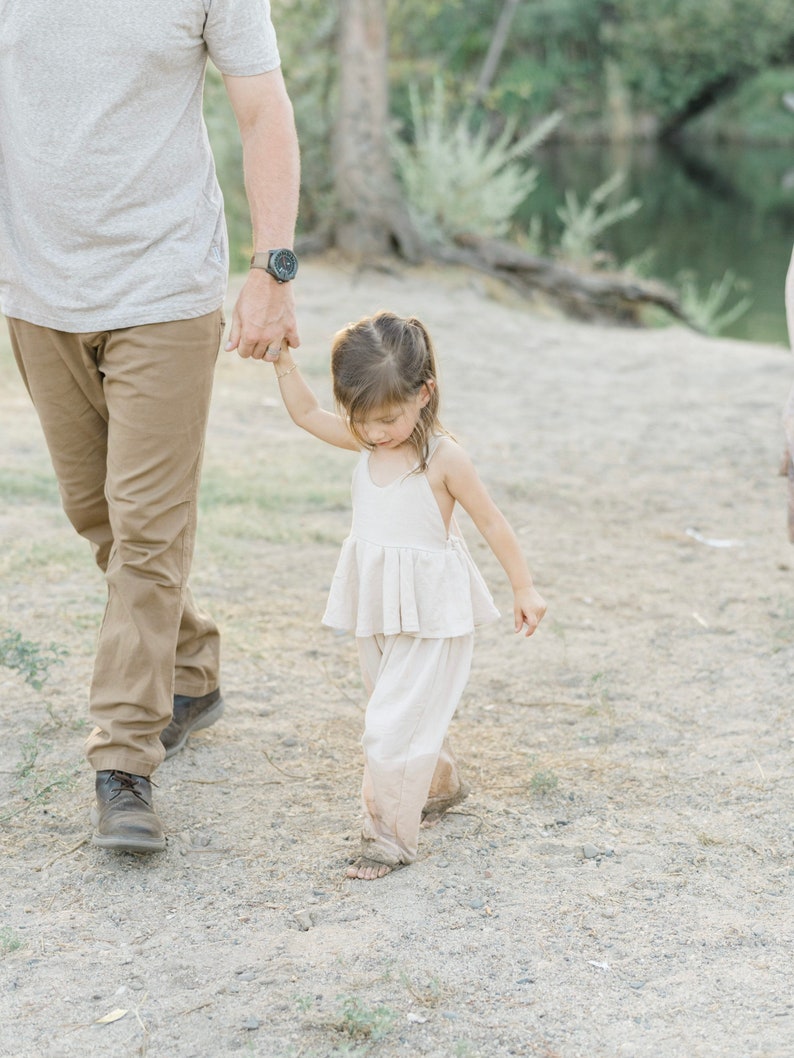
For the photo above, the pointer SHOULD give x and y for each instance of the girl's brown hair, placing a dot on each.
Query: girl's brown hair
(382, 362)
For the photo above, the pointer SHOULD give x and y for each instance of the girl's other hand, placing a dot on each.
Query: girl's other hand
(529, 606)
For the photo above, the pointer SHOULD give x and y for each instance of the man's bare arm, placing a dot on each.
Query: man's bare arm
(264, 316)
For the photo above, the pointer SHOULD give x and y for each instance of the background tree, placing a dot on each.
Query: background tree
(370, 217)
(495, 49)
(680, 57)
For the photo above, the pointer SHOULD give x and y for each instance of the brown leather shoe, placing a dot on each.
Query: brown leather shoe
(190, 714)
(123, 817)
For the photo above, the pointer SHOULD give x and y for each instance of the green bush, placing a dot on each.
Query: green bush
(456, 177)
(753, 114)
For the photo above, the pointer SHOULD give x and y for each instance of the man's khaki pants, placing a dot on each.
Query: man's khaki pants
(124, 415)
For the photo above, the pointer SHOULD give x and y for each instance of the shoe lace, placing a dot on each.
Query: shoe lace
(127, 782)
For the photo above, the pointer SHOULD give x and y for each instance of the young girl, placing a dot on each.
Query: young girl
(405, 582)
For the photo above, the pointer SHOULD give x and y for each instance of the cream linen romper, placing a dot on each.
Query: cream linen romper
(413, 596)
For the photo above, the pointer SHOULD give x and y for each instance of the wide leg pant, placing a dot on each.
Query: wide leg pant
(124, 415)
(414, 686)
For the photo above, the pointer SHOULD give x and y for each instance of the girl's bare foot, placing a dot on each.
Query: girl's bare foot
(437, 807)
(368, 870)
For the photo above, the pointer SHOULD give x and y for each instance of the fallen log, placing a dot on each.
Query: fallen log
(585, 295)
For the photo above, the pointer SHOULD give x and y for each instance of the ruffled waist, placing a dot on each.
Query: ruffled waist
(380, 590)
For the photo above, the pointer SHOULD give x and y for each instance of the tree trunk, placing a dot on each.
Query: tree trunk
(495, 49)
(370, 217)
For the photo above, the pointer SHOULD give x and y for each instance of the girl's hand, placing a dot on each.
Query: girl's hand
(529, 606)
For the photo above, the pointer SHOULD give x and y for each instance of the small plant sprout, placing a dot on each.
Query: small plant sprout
(9, 941)
(543, 782)
(362, 1022)
(31, 660)
(584, 223)
(708, 312)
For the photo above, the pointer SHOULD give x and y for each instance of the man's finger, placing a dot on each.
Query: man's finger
(254, 344)
(234, 334)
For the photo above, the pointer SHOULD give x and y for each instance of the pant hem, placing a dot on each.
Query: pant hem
(197, 691)
(113, 761)
(371, 851)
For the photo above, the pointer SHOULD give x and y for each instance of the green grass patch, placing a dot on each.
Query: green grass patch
(46, 559)
(277, 507)
(26, 486)
(275, 492)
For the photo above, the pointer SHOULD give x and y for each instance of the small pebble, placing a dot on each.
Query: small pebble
(251, 1023)
(304, 920)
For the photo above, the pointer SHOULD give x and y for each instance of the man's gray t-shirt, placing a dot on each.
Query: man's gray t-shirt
(110, 211)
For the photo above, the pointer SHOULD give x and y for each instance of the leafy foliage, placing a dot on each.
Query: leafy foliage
(583, 223)
(672, 49)
(456, 177)
(753, 114)
(553, 58)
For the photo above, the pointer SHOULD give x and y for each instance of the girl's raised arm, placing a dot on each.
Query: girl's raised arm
(304, 408)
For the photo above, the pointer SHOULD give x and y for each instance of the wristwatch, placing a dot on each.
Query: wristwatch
(282, 264)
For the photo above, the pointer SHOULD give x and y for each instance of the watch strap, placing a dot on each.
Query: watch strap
(261, 259)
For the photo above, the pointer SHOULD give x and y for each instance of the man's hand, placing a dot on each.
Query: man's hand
(263, 318)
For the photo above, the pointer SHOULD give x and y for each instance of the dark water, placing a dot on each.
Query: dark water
(704, 210)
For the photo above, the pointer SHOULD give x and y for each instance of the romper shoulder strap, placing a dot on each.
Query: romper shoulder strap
(432, 445)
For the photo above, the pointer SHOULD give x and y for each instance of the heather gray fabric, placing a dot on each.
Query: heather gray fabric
(110, 211)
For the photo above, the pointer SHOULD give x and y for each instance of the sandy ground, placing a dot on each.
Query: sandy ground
(619, 882)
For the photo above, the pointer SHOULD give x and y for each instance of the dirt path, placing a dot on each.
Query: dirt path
(620, 881)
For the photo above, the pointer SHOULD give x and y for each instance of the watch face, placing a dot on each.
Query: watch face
(283, 264)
